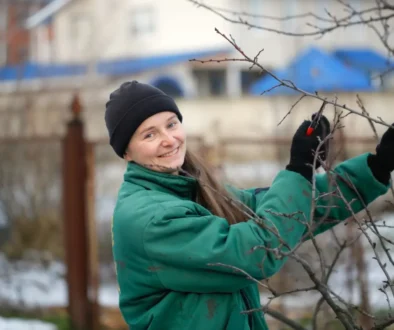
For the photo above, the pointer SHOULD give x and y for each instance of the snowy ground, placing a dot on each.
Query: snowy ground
(38, 287)
(18, 324)
(34, 286)
(29, 285)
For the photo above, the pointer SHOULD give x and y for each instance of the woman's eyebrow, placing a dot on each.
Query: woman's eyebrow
(147, 129)
(152, 127)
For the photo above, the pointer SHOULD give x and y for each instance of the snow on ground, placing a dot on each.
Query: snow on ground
(39, 287)
(35, 286)
(31, 285)
(18, 324)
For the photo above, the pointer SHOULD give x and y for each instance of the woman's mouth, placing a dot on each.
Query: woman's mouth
(171, 153)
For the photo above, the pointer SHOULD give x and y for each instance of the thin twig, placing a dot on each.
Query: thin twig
(287, 83)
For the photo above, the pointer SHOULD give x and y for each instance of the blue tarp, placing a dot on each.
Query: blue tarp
(315, 70)
(364, 59)
(35, 71)
(135, 65)
(112, 68)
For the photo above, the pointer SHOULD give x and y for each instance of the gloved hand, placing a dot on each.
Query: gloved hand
(302, 152)
(382, 163)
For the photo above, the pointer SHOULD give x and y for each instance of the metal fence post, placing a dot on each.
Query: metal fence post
(75, 219)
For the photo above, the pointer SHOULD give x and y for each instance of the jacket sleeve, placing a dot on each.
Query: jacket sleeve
(332, 207)
(183, 245)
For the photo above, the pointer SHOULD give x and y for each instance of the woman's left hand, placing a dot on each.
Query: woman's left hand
(382, 164)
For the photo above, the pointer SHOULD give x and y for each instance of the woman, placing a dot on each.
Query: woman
(174, 224)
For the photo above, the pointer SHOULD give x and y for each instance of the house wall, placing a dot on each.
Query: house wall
(88, 30)
(104, 29)
(210, 119)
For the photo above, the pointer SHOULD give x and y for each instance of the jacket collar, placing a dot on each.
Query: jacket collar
(179, 185)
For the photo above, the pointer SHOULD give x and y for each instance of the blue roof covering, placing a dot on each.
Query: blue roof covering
(314, 70)
(139, 64)
(364, 59)
(35, 71)
(112, 68)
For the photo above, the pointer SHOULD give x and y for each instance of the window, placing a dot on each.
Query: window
(142, 21)
(248, 77)
(169, 86)
(255, 7)
(210, 82)
(77, 24)
(80, 31)
(290, 9)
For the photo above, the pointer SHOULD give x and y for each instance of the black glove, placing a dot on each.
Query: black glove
(382, 163)
(303, 147)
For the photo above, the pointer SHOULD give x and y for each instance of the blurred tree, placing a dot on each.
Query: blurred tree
(30, 195)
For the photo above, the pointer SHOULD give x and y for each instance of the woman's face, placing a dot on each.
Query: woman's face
(159, 143)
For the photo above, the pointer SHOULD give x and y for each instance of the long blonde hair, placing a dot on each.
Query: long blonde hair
(211, 194)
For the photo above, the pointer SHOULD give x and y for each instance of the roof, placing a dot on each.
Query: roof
(140, 64)
(45, 13)
(28, 1)
(364, 59)
(110, 68)
(314, 70)
(37, 71)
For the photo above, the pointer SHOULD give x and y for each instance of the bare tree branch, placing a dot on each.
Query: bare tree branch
(286, 83)
(335, 23)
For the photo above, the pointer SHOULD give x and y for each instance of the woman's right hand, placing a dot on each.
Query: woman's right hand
(303, 147)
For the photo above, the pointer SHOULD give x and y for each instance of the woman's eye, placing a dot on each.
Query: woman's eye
(170, 125)
(148, 136)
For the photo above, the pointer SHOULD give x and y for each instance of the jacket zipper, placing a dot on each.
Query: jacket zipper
(248, 307)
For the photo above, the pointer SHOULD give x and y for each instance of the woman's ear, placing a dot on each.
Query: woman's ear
(127, 156)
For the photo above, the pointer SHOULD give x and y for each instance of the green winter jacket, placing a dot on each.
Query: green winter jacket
(164, 245)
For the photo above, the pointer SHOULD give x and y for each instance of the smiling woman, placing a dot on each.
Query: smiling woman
(159, 142)
(182, 243)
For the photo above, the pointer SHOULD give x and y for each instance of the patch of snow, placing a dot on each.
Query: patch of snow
(30, 285)
(19, 324)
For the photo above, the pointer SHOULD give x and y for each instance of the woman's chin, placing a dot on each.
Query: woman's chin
(171, 165)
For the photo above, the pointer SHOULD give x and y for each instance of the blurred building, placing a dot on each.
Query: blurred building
(81, 42)
(154, 40)
(15, 39)
(94, 45)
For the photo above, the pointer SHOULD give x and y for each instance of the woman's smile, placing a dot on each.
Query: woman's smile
(170, 154)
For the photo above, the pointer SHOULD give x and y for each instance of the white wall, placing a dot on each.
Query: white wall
(280, 49)
(102, 29)
(89, 29)
(252, 117)
(73, 29)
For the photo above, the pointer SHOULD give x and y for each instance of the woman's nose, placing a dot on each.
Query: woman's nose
(168, 139)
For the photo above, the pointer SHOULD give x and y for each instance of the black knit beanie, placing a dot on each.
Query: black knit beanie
(129, 106)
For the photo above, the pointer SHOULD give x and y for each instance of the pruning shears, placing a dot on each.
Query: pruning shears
(315, 120)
